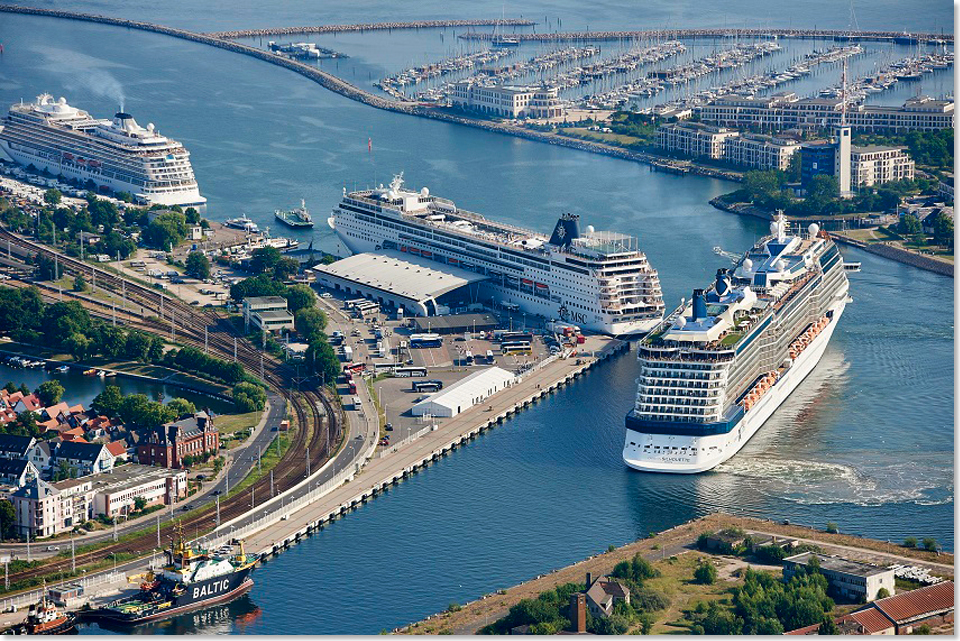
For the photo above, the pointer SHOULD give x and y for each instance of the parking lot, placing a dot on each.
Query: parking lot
(446, 363)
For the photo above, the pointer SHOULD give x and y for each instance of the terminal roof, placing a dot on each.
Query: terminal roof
(401, 274)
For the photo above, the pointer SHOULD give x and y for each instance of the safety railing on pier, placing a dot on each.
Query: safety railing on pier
(88, 583)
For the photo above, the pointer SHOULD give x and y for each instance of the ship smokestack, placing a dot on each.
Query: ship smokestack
(699, 305)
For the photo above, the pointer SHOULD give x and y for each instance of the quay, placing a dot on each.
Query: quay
(371, 26)
(285, 528)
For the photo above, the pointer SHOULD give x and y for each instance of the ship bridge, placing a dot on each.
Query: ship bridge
(419, 285)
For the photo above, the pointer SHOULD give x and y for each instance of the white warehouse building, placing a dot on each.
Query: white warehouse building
(465, 393)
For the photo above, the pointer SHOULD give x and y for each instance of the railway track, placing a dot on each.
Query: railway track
(319, 422)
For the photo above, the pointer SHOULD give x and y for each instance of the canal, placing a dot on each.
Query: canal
(866, 442)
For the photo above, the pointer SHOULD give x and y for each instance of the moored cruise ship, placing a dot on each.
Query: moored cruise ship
(598, 280)
(119, 155)
(715, 370)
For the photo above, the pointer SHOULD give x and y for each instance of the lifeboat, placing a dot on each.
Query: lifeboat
(426, 254)
(541, 286)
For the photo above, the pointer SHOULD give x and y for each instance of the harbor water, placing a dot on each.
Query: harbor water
(865, 442)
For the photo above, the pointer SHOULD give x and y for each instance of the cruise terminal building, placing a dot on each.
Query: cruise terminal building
(420, 286)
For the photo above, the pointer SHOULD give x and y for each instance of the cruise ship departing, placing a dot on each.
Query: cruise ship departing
(119, 155)
(716, 369)
(596, 279)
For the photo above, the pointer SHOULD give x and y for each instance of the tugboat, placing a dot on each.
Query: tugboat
(298, 218)
(193, 578)
(45, 618)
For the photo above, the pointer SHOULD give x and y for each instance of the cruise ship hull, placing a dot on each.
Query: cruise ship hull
(726, 445)
(184, 198)
(547, 309)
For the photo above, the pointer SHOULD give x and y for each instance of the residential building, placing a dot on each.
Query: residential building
(603, 594)
(47, 509)
(848, 579)
(170, 444)
(876, 164)
(81, 458)
(116, 493)
(817, 157)
(17, 472)
(16, 447)
(786, 110)
(509, 101)
(759, 151)
(694, 139)
(266, 313)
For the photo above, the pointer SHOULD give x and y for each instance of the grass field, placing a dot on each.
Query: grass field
(616, 139)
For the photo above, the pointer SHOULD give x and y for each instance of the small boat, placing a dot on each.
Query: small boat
(45, 618)
(90, 372)
(298, 218)
(111, 374)
(243, 223)
(101, 373)
(63, 369)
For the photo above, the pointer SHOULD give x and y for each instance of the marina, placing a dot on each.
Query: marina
(813, 462)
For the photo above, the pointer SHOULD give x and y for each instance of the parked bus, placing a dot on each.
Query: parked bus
(427, 386)
(410, 372)
(353, 368)
(516, 347)
(516, 336)
(425, 340)
(354, 302)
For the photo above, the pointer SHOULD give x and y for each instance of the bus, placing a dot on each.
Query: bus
(410, 372)
(516, 336)
(354, 302)
(516, 347)
(353, 368)
(352, 386)
(427, 386)
(425, 340)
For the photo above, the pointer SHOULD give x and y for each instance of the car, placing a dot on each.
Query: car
(194, 302)
(389, 427)
(201, 477)
(209, 305)
(326, 295)
(185, 508)
(216, 493)
(53, 548)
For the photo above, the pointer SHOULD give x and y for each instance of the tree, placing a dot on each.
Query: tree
(943, 229)
(883, 593)
(46, 268)
(192, 215)
(79, 284)
(198, 265)
(137, 346)
(310, 323)
(832, 528)
(705, 574)
(261, 285)
(50, 392)
(181, 407)
(249, 397)
(285, 268)
(323, 361)
(52, 197)
(264, 259)
(828, 626)
(168, 229)
(108, 401)
(64, 471)
(299, 297)
(910, 542)
(909, 225)
(139, 503)
(79, 346)
(930, 544)
(8, 520)
(823, 187)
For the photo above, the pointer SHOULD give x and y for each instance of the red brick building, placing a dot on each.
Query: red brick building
(169, 445)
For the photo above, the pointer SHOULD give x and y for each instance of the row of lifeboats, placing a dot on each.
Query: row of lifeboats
(758, 390)
(802, 341)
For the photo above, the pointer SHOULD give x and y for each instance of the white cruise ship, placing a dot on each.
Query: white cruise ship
(119, 155)
(598, 280)
(716, 369)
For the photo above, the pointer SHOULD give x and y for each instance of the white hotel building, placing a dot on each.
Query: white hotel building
(755, 151)
(509, 101)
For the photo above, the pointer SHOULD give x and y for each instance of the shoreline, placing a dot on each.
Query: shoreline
(890, 252)
(672, 542)
(348, 90)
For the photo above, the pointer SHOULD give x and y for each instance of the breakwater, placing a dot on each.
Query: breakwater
(370, 26)
(344, 88)
(840, 35)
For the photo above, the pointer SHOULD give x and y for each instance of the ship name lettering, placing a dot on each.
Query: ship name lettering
(211, 589)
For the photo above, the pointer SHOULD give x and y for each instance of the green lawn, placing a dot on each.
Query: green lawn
(230, 423)
(616, 139)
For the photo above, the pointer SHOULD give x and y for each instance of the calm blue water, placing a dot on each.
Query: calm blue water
(866, 442)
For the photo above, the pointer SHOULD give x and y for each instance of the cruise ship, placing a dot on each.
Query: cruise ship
(716, 368)
(596, 279)
(117, 154)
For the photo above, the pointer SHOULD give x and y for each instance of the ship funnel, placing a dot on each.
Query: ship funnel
(699, 305)
(568, 228)
(723, 281)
